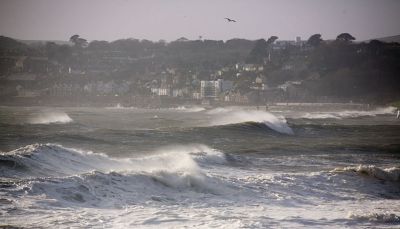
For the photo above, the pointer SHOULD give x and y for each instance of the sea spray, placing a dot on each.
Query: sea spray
(49, 117)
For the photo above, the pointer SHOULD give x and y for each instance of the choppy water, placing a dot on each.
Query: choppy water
(291, 167)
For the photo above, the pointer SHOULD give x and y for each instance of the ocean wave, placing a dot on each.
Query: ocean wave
(39, 160)
(52, 160)
(224, 116)
(116, 189)
(387, 174)
(202, 154)
(72, 176)
(376, 217)
(50, 117)
(348, 113)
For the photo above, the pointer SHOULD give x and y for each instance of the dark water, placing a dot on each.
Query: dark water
(293, 166)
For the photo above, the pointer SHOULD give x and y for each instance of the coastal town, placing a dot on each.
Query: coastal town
(132, 72)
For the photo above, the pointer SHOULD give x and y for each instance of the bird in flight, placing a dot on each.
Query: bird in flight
(230, 20)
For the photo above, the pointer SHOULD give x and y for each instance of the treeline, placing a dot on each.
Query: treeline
(340, 68)
(367, 71)
(182, 53)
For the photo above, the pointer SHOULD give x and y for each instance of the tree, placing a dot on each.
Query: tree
(259, 51)
(99, 45)
(315, 40)
(78, 41)
(182, 39)
(345, 37)
(271, 40)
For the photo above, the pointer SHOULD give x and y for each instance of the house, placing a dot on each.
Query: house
(161, 91)
(236, 98)
(250, 67)
(253, 68)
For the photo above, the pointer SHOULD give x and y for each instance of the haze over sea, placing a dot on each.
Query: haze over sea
(294, 166)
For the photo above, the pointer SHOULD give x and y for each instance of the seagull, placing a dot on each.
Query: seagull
(230, 20)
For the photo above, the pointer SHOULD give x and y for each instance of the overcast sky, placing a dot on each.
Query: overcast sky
(171, 19)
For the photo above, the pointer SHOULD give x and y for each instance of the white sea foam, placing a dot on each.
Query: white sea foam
(375, 217)
(348, 113)
(48, 117)
(388, 174)
(223, 116)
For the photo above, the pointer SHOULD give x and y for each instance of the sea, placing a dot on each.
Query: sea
(281, 166)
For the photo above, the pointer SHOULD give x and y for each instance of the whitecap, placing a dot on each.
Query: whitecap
(388, 174)
(375, 217)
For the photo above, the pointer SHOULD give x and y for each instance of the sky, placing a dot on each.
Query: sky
(171, 19)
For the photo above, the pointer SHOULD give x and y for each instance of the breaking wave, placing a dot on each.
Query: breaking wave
(348, 113)
(376, 217)
(50, 117)
(387, 174)
(222, 116)
(75, 176)
(175, 166)
(52, 159)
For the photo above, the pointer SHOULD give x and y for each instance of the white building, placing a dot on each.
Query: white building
(210, 89)
(177, 93)
(196, 95)
(252, 67)
(161, 91)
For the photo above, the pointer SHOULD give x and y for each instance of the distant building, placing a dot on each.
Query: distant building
(161, 91)
(25, 92)
(210, 89)
(196, 95)
(288, 84)
(177, 93)
(66, 89)
(236, 98)
(252, 67)
(283, 44)
(19, 64)
(227, 85)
